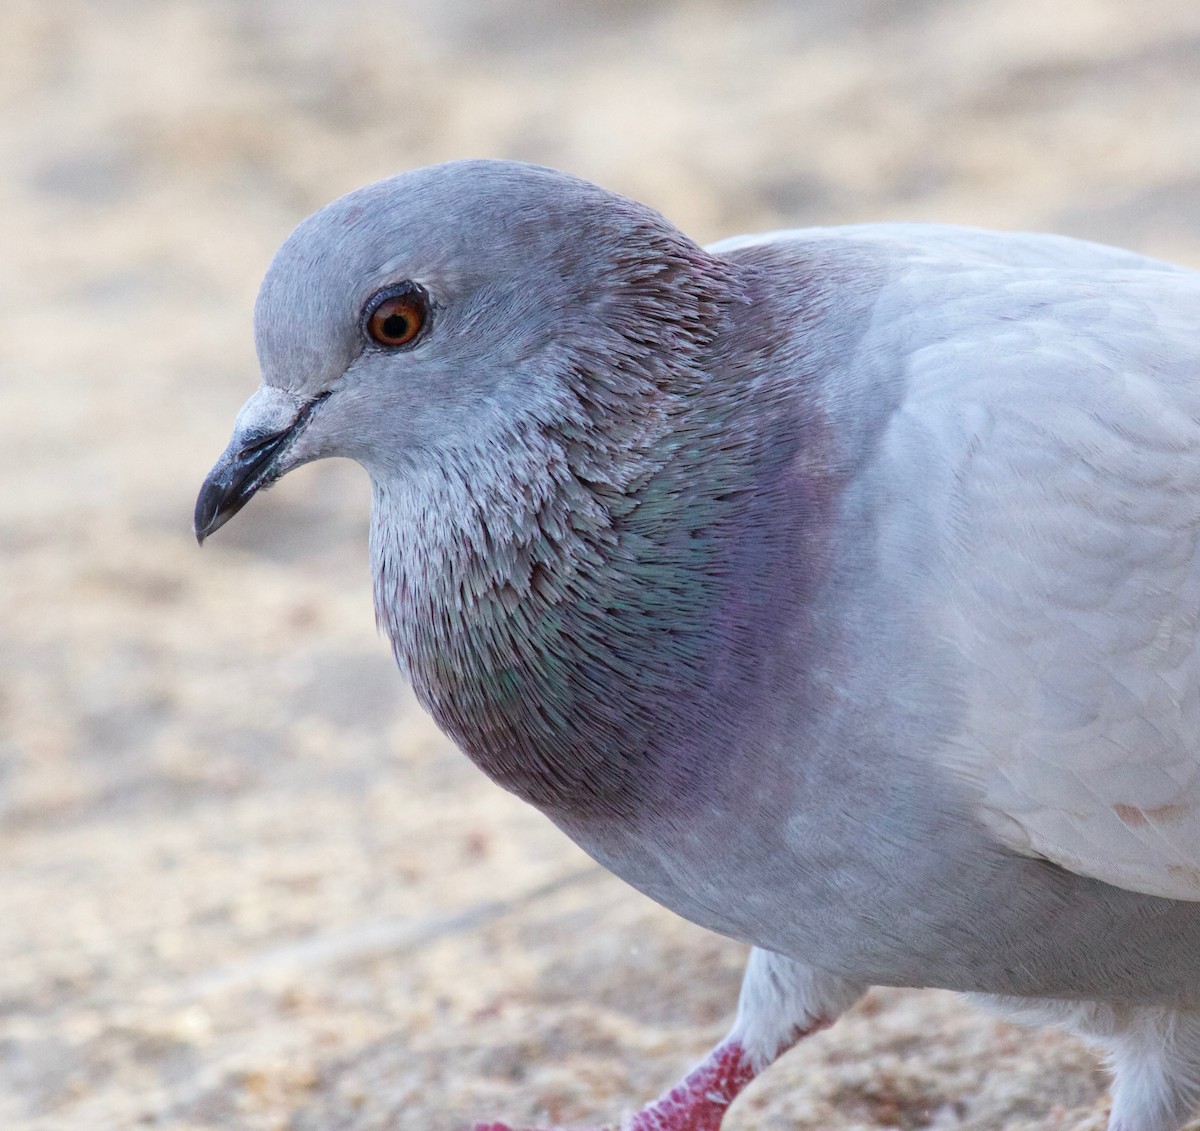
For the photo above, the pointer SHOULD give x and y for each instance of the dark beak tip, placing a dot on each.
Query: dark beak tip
(216, 504)
(243, 469)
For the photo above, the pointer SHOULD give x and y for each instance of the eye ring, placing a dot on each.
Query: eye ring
(394, 318)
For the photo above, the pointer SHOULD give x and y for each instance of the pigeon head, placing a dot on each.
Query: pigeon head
(546, 384)
(424, 321)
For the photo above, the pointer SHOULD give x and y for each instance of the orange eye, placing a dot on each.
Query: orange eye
(397, 320)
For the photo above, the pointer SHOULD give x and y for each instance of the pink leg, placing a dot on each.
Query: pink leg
(782, 1002)
(699, 1103)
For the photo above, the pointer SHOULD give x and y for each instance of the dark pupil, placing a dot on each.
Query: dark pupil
(395, 326)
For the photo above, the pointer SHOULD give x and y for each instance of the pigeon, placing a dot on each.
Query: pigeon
(837, 588)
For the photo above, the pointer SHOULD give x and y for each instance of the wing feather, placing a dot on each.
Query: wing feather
(1066, 407)
(1049, 441)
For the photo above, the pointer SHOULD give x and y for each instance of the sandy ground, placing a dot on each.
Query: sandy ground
(244, 884)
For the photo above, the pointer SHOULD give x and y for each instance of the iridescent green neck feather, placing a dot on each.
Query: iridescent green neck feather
(570, 598)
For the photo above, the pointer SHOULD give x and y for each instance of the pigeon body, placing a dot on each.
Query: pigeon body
(836, 588)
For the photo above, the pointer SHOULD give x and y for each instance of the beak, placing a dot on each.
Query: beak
(266, 427)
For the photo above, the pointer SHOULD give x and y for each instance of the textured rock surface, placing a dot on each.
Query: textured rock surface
(243, 883)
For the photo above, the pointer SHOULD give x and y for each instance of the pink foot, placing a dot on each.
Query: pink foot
(699, 1103)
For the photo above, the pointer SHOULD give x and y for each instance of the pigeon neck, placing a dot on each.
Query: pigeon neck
(575, 607)
(548, 640)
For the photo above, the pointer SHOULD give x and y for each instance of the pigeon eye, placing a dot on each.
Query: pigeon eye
(397, 319)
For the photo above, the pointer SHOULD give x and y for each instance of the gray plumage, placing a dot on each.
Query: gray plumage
(837, 588)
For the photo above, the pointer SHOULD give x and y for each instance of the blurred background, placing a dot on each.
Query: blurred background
(243, 882)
